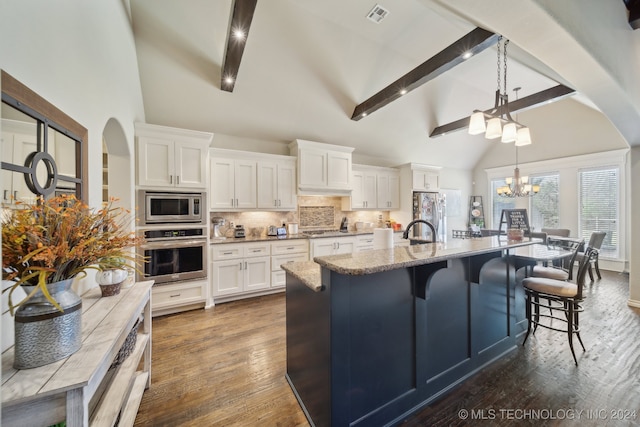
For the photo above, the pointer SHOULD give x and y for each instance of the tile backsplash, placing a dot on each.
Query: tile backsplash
(314, 212)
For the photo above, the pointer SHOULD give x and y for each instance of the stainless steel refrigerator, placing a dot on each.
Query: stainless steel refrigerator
(430, 207)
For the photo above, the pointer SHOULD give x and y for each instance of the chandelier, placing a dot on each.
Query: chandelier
(517, 186)
(498, 123)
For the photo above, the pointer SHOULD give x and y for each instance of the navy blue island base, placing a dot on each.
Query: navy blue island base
(371, 346)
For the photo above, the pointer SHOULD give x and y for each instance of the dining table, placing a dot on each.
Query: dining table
(539, 253)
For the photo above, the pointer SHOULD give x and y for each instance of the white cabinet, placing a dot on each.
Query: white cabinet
(332, 246)
(364, 242)
(238, 268)
(322, 168)
(388, 185)
(170, 157)
(277, 184)
(178, 297)
(373, 188)
(232, 184)
(426, 180)
(283, 252)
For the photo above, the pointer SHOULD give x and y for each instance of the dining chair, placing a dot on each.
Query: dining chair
(595, 242)
(562, 296)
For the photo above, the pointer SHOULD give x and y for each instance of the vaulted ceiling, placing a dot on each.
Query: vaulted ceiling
(307, 64)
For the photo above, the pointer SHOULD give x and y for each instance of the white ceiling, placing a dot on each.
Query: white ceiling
(308, 63)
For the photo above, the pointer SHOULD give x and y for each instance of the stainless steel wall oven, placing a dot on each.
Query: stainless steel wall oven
(174, 255)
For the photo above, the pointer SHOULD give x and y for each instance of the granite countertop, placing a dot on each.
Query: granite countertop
(380, 260)
(301, 235)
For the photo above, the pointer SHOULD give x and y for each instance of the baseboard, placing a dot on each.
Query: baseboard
(633, 303)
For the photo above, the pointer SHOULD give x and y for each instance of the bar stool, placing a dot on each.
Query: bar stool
(559, 295)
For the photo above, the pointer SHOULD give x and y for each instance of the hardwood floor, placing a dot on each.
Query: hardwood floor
(226, 366)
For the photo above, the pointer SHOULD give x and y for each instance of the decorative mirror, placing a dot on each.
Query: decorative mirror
(43, 149)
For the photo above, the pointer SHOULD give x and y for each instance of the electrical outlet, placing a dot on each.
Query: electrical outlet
(232, 224)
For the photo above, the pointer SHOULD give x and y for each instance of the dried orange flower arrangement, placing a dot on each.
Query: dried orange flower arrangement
(58, 238)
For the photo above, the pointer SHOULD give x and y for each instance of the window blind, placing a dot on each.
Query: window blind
(598, 211)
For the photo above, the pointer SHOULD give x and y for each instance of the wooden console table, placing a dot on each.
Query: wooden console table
(82, 388)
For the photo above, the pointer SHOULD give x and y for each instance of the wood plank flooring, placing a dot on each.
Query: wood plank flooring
(226, 366)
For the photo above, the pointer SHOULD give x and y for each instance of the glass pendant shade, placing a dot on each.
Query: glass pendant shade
(523, 137)
(509, 132)
(494, 129)
(476, 124)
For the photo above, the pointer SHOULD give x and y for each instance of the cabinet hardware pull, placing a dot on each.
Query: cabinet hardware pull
(170, 179)
(227, 253)
(177, 179)
(237, 204)
(5, 194)
(245, 265)
(275, 202)
(173, 296)
(15, 195)
(291, 248)
(240, 265)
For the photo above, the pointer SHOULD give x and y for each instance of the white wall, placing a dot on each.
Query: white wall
(80, 56)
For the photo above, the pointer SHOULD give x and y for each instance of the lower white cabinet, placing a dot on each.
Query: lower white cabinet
(332, 246)
(176, 297)
(284, 252)
(364, 242)
(238, 268)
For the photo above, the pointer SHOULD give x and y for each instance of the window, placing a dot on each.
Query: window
(599, 206)
(544, 205)
(499, 203)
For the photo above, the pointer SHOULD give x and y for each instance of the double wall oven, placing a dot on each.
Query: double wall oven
(175, 232)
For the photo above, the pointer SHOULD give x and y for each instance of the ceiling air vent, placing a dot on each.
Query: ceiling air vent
(377, 14)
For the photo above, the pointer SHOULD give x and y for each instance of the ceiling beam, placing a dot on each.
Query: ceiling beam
(471, 44)
(239, 24)
(552, 94)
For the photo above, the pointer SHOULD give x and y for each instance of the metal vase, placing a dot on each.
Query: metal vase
(43, 334)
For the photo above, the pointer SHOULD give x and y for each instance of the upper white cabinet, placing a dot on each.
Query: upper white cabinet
(169, 157)
(425, 179)
(277, 184)
(241, 180)
(373, 188)
(322, 168)
(232, 184)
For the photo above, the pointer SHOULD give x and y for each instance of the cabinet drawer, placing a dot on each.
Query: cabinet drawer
(226, 251)
(179, 294)
(289, 247)
(278, 279)
(277, 261)
(256, 249)
(366, 239)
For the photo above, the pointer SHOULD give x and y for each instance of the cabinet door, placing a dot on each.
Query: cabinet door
(190, 165)
(257, 273)
(344, 246)
(221, 186)
(370, 190)
(287, 194)
(313, 168)
(267, 185)
(339, 170)
(322, 247)
(155, 162)
(426, 180)
(394, 191)
(357, 194)
(245, 184)
(388, 191)
(227, 277)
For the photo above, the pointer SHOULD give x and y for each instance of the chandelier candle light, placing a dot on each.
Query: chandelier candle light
(517, 186)
(498, 123)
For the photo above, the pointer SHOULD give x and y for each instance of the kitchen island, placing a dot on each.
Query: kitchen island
(374, 336)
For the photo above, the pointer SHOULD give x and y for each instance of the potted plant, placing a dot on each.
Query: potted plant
(44, 247)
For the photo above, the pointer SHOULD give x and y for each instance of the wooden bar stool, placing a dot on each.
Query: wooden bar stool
(559, 295)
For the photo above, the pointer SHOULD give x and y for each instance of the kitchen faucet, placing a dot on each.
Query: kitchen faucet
(405, 235)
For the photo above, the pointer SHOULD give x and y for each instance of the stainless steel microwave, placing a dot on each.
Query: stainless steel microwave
(172, 208)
